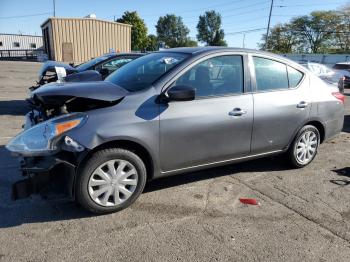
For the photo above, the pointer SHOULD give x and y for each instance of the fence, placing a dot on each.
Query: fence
(328, 59)
(22, 54)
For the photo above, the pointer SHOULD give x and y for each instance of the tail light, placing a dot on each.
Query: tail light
(339, 96)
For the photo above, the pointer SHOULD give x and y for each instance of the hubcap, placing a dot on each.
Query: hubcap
(306, 147)
(113, 182)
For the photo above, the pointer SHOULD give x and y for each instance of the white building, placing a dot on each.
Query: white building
(20, 42)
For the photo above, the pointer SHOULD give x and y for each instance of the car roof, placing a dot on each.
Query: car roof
(205, 49)
(110, 55)
(213, 49)
(343, 63)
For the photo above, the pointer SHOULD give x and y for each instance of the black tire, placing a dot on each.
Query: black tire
(292, 152)
(98, 158)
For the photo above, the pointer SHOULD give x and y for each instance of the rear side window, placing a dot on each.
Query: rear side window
(270, 75)
(294, 77)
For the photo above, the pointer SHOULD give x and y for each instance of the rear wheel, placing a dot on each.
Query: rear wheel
(304, 148)
(111, 180)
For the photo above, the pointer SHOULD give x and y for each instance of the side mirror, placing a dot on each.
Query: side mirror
(104, 72)
(181, 93)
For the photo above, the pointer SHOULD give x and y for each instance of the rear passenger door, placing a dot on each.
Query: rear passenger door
(281, 103)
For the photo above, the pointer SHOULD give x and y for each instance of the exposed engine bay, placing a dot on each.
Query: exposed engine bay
(56, 99)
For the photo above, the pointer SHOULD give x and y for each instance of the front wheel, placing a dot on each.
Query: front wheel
(305, 145)
(111, 180)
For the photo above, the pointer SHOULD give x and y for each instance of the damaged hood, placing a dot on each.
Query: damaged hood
(57, 94)
(49, 66)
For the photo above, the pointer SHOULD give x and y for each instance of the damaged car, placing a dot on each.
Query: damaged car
(171, 112)
(96, 69)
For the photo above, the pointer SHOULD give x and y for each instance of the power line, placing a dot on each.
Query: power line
(297, 5)
(246, 31)
(22, 16)
(202, 9)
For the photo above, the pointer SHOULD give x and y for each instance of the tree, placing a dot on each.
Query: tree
(281, 39)
(316, 29)
(172, 31)
(209, 29)
(139, 38)
(152, 44)
(342, 36)
(190, 43)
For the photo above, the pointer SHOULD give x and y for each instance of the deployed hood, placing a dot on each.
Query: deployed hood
(82, 93)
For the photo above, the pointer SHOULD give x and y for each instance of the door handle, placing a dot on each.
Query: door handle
(302, 104)
(237, 112)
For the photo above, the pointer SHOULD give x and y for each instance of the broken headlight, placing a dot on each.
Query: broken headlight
(41, 139)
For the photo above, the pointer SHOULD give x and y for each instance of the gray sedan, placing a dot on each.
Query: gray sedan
(167, 113)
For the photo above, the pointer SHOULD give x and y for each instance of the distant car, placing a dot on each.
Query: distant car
(342, 66)
(104, 65)
(171, 112)
(336, 77)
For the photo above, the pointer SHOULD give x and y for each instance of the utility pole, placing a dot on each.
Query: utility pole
(268, 25)
(243, 40)
(54, 8)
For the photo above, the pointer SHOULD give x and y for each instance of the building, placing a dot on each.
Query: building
(80, 39)
(20, 42)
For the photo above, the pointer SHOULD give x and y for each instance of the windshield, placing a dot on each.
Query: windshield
(90, 63)
(142, 72)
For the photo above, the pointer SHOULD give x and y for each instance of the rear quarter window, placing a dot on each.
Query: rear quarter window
(294, 77)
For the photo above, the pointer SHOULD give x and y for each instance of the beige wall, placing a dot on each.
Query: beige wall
(89, 37)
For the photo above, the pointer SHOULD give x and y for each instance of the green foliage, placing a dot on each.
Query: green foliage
(139, 39)
(281, 39)
(319, 32)
(172, 31)
(152, 44)
(209, 29)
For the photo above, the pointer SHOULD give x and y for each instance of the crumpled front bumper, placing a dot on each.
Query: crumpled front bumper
(45, 174)
(52, 175)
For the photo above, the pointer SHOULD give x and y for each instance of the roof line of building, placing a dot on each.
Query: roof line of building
(21, 35)
(80, 18)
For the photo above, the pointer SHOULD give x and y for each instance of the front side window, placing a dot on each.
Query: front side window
(115, 64)
(142, 72)
(222, 75)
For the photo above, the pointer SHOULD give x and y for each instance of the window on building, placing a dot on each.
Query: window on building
(16, 44)
(32, 45)
(1, 43)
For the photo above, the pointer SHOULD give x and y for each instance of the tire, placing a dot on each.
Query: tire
(297, 150)
(101, 190)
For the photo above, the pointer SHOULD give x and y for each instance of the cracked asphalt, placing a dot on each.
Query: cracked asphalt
(304, 214)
